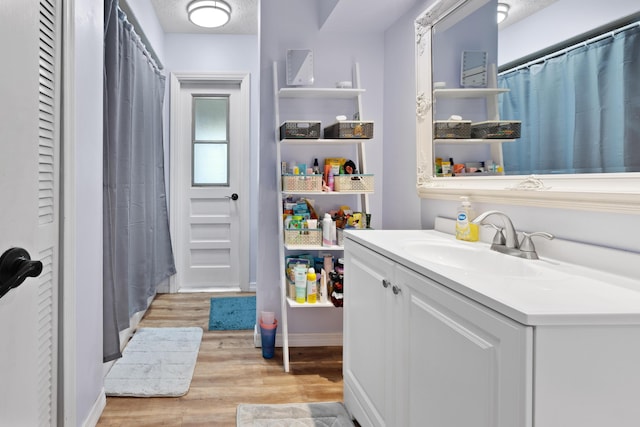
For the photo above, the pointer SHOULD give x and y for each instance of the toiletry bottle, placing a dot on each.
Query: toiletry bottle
(316, 167)
(300, 274)
(326, 230)
(330, 181)
(323, 287)
(465, 230)
(312, 287)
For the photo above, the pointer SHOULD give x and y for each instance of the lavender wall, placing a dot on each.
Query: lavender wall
(233, 54)
(558, 22)
(294, 24)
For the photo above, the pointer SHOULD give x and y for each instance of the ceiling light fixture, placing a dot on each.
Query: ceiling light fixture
(503, 11)
(209, 13)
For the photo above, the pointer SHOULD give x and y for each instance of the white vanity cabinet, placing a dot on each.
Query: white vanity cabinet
(419, 354)
(431, 341)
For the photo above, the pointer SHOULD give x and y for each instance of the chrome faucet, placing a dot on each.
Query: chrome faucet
(506, 239)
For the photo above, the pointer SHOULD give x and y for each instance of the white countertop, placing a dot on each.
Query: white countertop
(559, 293)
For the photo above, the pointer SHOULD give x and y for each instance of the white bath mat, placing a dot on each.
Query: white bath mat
(322, 414)
(156, 362)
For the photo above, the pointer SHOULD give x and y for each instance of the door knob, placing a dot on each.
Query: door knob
(15, 266)
(234, 196)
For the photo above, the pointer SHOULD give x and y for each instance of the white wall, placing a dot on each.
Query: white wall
(293, 24)
(88, 21)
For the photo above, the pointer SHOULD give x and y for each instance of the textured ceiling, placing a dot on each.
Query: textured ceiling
(519, 9)
(172, 15)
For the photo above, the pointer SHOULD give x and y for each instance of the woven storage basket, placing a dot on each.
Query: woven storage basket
(308, 183)
(357, 183)
(349, 129)
(452, 129)
(304, 237)
(300, 130)
(509, 129)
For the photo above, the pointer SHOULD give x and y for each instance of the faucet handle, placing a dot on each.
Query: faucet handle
(527, 244)
(498, 238)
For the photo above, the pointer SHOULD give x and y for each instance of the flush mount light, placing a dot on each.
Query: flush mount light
(503, 11)
(209, 13)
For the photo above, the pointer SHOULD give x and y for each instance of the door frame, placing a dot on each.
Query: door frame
(67, 398)
(176, 163)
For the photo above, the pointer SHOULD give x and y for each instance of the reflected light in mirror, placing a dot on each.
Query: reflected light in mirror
(503, 11)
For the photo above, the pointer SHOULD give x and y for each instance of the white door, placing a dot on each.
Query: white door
(28, 209)
(209, 180)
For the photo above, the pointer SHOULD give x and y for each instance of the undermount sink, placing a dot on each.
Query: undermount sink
(473, 258)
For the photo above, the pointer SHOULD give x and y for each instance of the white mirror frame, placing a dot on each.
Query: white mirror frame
(611, 192)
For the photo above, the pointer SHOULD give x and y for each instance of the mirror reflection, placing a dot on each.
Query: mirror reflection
(579, 106)
(578, 103)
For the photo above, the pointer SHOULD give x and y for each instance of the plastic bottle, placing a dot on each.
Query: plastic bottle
(330, 181)
(312, 286)
(465, 230)
(326, 230)
(316, 167)
(300, 274)
(323, 287)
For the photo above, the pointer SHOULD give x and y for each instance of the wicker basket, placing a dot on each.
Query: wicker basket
(300, 130)
(349, 129)
(355, 183)
(304, 237)
(303, 183)
(506, 129)
(452, 129)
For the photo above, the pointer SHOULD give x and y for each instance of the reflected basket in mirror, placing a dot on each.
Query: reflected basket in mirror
(504, 129)
(452, 129)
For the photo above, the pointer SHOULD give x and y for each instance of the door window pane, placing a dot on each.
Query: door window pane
(211, 118)
(210, 164)
(210, 140)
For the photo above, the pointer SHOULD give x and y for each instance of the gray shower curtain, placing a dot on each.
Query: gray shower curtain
(137, 244)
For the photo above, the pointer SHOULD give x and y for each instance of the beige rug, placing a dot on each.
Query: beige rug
(322, 414)
(156, 362)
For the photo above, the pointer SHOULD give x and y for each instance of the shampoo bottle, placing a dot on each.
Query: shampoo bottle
(312, 287)
(465, 230)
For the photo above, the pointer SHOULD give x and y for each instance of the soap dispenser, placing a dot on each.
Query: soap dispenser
(465, 229)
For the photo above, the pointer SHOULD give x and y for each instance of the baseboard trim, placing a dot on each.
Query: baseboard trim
(96, 410)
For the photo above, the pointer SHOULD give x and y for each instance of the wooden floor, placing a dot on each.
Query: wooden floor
(229, 371)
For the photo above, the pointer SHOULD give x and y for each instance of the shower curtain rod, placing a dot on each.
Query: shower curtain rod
(124, 8)
(582, 40)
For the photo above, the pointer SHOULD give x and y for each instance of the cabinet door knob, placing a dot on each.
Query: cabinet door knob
(395, 289)
(385, 283)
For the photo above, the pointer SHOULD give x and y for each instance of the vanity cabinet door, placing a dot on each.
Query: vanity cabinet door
(369, 336)
(467, 365)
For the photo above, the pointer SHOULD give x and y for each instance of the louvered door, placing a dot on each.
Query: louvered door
(29, 181)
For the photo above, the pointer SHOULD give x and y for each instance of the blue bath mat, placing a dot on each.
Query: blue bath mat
(232, 313)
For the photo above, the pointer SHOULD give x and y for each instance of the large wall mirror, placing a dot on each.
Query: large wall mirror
(443, 31)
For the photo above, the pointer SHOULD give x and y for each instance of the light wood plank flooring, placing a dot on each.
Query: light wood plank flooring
(229, 371)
